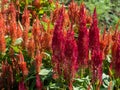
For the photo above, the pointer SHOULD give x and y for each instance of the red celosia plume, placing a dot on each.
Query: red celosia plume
(36, 33)
(26, 25)
(83, 39)
(58, 43)
(71, 55)
(23, 64)
(38, 61)
(116, 56)
(96, 54)
(94, 33)
(2, 34)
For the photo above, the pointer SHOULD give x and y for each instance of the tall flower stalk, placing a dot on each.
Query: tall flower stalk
(38, 62)
(73, 11)
(31, 47)
(58, 43)
(94, 33)
(115, 54)
(96, 54)
(83, 39)
(36, 33)
(22, 64)
(2, 34)
(116, 59)
(13, 24)
(71, 54)
(105, 43)
(26, 25)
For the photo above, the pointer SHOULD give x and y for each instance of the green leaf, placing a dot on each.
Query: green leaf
(41, 11)
(79, 80)
(18, 41)
(47, 54)
(108, 58)
(82, 84)
(54, 86)
(16, 49)
(44, 72)
(76, 88)
(105, 80)
(45, 25)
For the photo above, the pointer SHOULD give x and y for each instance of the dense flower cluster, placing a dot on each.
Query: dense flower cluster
(116, 56)
(2, 33)
(83, 39)
(26, 26)
(94, 44)
(71, 54)
(58, 43)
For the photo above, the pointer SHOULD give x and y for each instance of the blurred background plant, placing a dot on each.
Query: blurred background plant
(108, 10)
